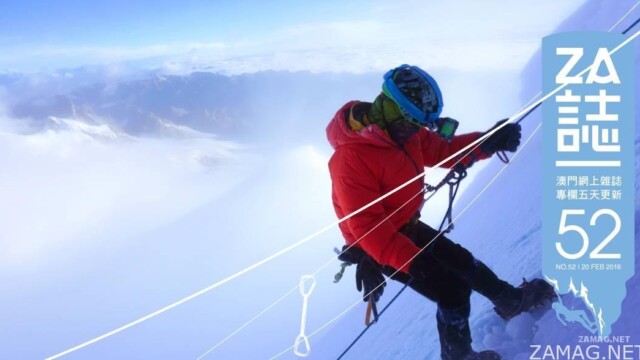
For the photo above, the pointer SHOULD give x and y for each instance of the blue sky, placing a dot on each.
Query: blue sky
(238, 36)
(137, 23)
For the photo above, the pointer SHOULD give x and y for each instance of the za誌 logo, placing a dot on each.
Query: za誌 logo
(588, 236)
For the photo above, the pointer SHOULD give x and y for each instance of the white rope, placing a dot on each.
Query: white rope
(625, 16)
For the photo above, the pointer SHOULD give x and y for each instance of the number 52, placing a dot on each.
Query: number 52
(597, 252)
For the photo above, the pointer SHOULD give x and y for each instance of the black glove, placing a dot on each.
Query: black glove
(368, 272)
(369, 277)
(351, 255)
(505, 139)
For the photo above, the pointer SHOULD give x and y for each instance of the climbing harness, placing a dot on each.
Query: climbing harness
(453, 179)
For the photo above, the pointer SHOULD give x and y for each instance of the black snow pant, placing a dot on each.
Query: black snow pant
(453, 272)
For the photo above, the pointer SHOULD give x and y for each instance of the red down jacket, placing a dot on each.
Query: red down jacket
(366, 165)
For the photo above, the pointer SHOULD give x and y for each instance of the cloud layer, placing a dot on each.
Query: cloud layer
(62, 189)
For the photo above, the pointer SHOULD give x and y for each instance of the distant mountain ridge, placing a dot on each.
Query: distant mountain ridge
(229, 106)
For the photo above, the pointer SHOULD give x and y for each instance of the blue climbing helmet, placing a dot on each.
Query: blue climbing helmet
(416, 93)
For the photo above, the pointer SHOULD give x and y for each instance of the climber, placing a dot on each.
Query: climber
(378, 147)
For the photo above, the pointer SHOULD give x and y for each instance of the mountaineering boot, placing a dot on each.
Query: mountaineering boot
(455, 336)
(513, 301)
